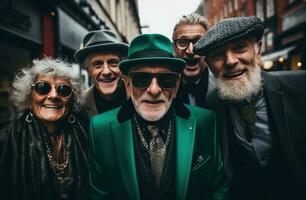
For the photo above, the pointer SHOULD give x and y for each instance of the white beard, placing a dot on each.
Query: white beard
(150, 115)
(237, 90)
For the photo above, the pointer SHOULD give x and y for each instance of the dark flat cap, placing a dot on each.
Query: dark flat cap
(227, 30)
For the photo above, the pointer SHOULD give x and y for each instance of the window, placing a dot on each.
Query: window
(270, 36)
(230, 7)
(260, 9)
(236, 4)
(263, 46)
(291, 1)
(296, 62)
(270, 8)
(225, 11)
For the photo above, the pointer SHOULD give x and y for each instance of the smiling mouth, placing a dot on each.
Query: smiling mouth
(234, 74)
(107, 80)
(153, 102)
(52, 106)
(191, 61)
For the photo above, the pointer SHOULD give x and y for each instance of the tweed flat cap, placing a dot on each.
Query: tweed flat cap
(227, 30)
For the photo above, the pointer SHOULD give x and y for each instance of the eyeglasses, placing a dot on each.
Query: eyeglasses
(142, 80)
(43, 88)
(183, 43)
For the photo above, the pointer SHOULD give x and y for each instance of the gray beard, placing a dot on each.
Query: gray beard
(236, 90)
(146, 116)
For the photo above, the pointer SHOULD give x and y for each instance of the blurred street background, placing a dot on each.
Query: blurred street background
(30, 29)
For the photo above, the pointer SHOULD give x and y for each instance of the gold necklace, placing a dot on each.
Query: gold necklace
(57, 167)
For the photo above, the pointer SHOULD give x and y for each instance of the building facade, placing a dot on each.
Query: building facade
(285, 27)
(30, 29)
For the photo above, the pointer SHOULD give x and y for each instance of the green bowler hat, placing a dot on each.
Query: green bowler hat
(151, 49)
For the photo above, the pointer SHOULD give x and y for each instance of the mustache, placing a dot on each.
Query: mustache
(191, 61)
(152, 99)
(233, 70)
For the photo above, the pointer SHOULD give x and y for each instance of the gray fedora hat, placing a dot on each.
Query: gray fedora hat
(228, 30)
(100, 41)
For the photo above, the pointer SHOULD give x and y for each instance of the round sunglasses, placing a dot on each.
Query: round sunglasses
(142, 80)
(43, 88)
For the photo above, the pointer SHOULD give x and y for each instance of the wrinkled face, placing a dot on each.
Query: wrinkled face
(184, 39)
(104, 70)
(152, 94)
(50, 107)
(236, 67)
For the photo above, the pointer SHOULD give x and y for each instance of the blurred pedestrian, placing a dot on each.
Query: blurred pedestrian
(101, 53)
(43, 152)
(198, 81)
(262, 115)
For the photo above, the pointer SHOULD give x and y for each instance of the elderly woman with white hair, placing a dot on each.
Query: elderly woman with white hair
(43, 152)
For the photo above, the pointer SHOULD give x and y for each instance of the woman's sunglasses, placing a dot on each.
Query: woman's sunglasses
(44, 88)
(142, 80)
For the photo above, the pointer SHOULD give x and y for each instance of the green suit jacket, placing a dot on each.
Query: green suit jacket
(199, 168)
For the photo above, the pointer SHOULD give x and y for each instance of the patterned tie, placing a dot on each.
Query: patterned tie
(157, 153)
(248, 114)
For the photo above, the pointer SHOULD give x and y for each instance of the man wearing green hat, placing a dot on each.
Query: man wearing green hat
(100, 54)
(153, 147)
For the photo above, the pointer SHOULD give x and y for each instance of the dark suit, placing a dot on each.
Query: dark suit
(95, 104)
(199, 91)
(113, 167)
(285, 175)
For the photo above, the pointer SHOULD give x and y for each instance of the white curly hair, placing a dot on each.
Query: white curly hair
(22, 85)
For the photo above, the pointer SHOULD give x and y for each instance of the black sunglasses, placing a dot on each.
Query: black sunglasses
(142, 80)
(43, 88)
(183, 43)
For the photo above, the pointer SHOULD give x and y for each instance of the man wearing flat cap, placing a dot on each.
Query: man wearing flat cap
(153, 147)
(100, 54)
(261, 114)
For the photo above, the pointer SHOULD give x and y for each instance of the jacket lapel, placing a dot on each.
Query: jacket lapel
(185, 134)
(278, 113)
(275, 102)
(276, 99)
(123, 136)
(223, 119)
(90, 107)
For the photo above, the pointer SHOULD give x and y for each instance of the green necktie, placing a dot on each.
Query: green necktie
(248, 114)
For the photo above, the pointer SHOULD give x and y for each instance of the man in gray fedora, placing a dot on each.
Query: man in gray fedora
(101, 53)
(261, 114)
